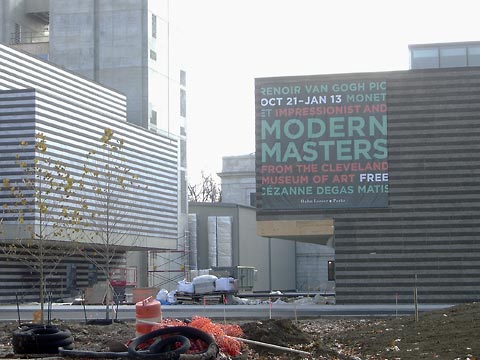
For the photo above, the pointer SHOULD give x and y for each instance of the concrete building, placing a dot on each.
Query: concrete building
(229, 230)
(72, 113)
(231, 224)
(280, 264)
(124, 45)
(238, 180)
(314, 263)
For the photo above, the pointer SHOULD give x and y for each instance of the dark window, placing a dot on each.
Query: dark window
(183, 103)
(425, 59)
(71, 276)
(183, 192)
(331, 270)
(453, 57)
(153, 118)
(153, 55)
(183, 78)
(253, 199)
(154, 26)
(183, 153)
(474, 56)
(92, 275)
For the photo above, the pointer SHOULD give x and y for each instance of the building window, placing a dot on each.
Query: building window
(183, 78)
(453, 57)
(183, 153)
(183, 192)
(153, 55)
(473, 56)
(183, 103)
(71, 276)
(153, 118)
(253, 199)
(425, 59)
(154, 26)
(331, 270)
(92, 275)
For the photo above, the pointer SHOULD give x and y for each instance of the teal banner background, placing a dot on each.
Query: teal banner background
(320, 143)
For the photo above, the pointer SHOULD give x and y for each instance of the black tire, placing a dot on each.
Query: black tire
(187, 331)
(165, 345)
(50, 334)
(40, 340)
(28, 326)
(32, 346)
(21, 341)
(51, 347)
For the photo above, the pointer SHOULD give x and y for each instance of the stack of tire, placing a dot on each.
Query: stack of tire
(40, 339)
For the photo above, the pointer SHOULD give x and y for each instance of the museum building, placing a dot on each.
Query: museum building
(390, 173)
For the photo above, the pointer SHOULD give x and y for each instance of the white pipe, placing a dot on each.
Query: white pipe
(270, 345)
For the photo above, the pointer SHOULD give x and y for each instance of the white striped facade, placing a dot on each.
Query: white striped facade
(72, 113)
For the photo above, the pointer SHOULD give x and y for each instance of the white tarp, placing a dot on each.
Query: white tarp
(224, 241)
(212, 240)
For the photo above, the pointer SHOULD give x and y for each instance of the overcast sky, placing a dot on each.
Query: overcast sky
(231, 42)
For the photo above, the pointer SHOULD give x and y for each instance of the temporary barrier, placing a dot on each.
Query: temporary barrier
(148, 310)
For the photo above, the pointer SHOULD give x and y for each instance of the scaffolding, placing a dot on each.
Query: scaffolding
(167, 267)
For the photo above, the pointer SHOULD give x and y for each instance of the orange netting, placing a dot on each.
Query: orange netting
(221, 333)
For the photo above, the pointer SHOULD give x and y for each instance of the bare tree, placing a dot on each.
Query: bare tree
(38, 217)
(206, 191)
(107, 229)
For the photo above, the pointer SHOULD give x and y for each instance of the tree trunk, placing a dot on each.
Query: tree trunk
(42, 293)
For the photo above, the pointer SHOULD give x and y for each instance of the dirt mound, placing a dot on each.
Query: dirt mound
(277, 332)
(443, 334)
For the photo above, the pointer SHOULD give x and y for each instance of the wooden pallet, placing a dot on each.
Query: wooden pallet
(199, 299)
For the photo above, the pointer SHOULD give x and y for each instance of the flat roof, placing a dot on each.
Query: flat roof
(446, 44)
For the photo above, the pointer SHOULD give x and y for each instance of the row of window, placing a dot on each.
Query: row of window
(183, 102)
(444, 56)
(183, 81)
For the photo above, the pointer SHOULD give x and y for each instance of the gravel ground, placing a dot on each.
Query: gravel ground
(449, 334)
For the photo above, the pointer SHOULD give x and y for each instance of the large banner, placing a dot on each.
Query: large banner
(321, 144)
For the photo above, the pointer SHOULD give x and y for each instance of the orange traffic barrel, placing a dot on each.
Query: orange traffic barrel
(148, 312)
